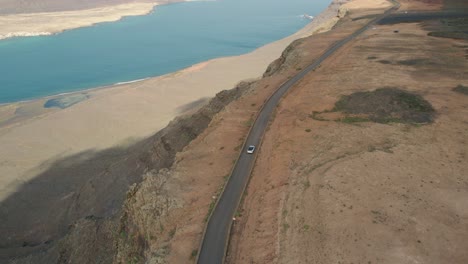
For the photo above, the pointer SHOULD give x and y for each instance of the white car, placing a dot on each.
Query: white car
(251, 149)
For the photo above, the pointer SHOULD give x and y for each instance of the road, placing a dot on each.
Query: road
(214, 244)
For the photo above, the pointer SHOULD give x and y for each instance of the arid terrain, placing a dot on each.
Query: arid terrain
(364, 162)
(334, 189)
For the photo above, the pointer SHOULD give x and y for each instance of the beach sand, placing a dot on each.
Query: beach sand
(33, 137)
(47, 23)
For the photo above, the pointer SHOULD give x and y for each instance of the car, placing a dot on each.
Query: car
(251, 149)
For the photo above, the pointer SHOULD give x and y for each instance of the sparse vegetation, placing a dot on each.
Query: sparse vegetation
(249, 122)
(194, 254)
(385, 61)
(217, 194)
(451, 28)
(306, 184)
(448, 34)
(238, 213)
(210, 209)
(172, 233)
(134, 260)
(353, 119)
(385, 105)
(308, 130)
(315, 116)
(414, 102)
(414, 62)
(461, 89)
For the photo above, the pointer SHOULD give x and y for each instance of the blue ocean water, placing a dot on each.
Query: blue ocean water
(171, 38)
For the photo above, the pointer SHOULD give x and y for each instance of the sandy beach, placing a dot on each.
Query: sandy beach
(48, 23)
(32, 137)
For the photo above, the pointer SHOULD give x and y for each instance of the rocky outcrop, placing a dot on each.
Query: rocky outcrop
(143, 220)
(182, 130)
(289, 58)
(322, 23)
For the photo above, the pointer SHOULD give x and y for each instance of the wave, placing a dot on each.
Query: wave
(24, 34)
(306, 16)
(134, 81)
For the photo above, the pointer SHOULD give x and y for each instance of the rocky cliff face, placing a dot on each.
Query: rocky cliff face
(142, 227)
(182, 130)
(95, 228)
(288, 59)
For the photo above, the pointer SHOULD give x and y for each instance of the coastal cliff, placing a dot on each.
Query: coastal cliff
(93, 230)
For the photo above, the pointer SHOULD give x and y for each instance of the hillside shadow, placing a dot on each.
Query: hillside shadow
(86, 184)
(93, 185)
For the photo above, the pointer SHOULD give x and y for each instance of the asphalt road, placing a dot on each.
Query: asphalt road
(214, 244)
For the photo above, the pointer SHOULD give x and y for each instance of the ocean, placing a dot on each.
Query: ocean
(169, 39)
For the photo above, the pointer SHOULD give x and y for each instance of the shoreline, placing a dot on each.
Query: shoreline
(87, 90)
(34, 137)
(309, 29)
(51, 23)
